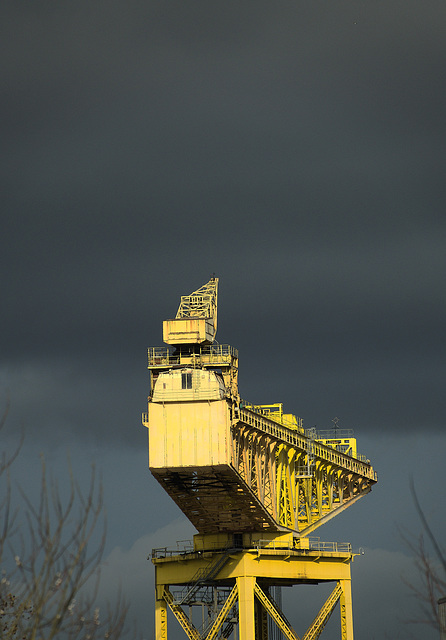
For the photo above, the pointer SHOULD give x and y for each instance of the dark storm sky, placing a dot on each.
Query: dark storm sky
(297, 150)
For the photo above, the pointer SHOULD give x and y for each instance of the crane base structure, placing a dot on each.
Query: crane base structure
(254, 483)
(232, 586)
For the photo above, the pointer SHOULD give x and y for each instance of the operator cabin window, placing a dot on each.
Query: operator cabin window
(186, 380)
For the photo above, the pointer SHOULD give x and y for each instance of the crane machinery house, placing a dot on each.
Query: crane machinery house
(255, 484)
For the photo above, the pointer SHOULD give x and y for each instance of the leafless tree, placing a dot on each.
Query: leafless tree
(51, 554)
(430, 560)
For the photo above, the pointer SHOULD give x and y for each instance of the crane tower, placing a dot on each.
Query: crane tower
(254, 483)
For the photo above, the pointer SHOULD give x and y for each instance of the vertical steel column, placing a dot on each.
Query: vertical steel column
(346, 610)
(160, 614)
(245, 585)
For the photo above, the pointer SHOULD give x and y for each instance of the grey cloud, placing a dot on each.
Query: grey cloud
(295, 150)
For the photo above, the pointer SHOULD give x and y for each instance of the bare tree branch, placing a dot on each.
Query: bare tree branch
(51, 565)
(426, 526)
(431, 569)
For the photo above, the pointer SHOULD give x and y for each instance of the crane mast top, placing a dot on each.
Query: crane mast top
(201, 303)
(196, 319)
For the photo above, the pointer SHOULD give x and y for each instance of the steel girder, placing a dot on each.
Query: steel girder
(247, 602)
(298, 495)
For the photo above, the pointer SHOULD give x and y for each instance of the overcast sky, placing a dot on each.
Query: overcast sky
(297, 150)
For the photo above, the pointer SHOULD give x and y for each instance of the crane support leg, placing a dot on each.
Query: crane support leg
(160, 614)
(233, 583)
(346, 610)
(245, 586)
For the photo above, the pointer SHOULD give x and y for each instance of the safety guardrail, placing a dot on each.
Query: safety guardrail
(334, 434)
(183, 547)
(275, 412)
(329, 547)
(314, 544)
(175, 395)
(308, 544)
(214, 353)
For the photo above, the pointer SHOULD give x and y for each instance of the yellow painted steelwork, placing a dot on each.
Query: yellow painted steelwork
(236, 469)
(252, 480)
(247, 575)
(196, 319)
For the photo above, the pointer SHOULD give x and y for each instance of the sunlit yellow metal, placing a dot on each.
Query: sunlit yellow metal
(222, 614)
(160, 614)
(196, 319)
(233, 469)
(213, 356)
(248, 573)
(345, 445)
(275, 614)
(275, 412)
(179, 614)
(318, 624)
(252, 480)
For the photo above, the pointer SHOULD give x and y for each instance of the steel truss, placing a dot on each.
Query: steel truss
(300, 483)
(247, 602)
(275, 480)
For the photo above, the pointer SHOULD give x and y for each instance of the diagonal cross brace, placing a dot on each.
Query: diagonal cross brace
(189, 628)
(223, 613)
(318, 624)
(275, 614)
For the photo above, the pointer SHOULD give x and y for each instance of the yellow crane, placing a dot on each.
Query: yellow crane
(252, 480)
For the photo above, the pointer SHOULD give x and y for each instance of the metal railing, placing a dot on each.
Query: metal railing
(275, 412)
(183, 547)
(357, 464)
(172, 395)
(314, 544)
(208, 354)
(161, 356)
(329, 547)
(187, 546)
(334, 434)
